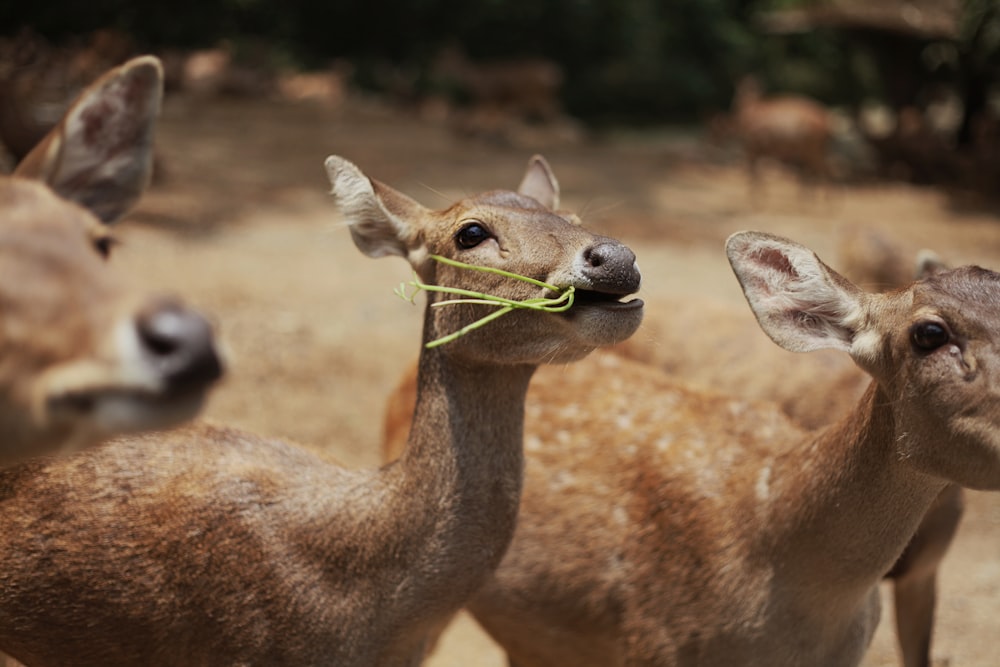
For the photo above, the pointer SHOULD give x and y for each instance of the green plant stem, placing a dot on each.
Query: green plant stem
(558, 304)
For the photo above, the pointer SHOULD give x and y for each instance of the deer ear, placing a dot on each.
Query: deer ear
(800, 302)
(540, 183)
(928, 263)
(100, 154)
(377, 215)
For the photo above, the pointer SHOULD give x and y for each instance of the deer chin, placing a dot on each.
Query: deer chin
(604, 319)
(100, 400)
(106, 412)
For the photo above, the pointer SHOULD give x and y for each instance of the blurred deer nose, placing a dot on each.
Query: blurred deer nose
(611, 267)
(180, 344)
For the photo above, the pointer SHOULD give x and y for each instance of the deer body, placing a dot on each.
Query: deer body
(254, 574)
(82, 357)
(792, 129)
(222, 547)
(703, 564)
(662, 525)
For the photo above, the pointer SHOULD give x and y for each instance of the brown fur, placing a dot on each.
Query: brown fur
(209, 546)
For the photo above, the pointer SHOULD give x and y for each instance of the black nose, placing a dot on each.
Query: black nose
(611, 267)
(180, 343)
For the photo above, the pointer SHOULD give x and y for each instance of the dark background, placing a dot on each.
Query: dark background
(624, 61)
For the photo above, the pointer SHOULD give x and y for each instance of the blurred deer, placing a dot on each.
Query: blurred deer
(791, 129)
(500, 93)
(39, 80)
(82, 357)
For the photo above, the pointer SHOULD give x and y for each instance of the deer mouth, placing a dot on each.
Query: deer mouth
(79, 393)
(604, 300)
(114, 410)
(609, 301)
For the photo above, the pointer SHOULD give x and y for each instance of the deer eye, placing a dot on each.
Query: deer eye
(929, 336)
(471, 235)
(104, 244)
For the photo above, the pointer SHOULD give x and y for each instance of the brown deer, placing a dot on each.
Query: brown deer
(208, 546)
(665, 525)
(732, 355)
(38, 81)
(791, 129)
(499, 94)
(82, 357)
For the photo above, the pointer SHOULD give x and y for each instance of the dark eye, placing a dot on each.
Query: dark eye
(471, 235)
(929, 336)
(103, 244)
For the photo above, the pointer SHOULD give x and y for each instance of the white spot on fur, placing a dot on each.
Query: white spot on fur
(763, 487)
(865, 346)
(619, 516)
(560, 480)
(663, 442)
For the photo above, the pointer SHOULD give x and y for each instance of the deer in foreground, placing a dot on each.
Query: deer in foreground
(209, 546)
(733, 356)
(670, 526)
(792, 129)
(82, 357)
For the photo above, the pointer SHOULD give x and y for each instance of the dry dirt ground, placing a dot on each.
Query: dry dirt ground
(241, 224)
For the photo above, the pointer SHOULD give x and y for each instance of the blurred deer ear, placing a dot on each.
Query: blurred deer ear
(378, 216)
(800, 302)
(928, 263)
(540, 183)
(100, 154)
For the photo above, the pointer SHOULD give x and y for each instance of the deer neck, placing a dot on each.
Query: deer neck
(851, 504)
(463, 465)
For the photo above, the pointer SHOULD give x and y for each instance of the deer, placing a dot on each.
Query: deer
(499, 94)
(732, 356)
(210, 546)
(82, 356)
(792, 129)
(671, 525)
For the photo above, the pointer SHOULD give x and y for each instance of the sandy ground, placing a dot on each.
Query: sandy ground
(242, 226)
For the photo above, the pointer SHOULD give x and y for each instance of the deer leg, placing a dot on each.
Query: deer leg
(915, 598)
(915, 576)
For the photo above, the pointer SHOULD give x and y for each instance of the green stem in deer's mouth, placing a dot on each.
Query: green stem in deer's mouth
(558, 304)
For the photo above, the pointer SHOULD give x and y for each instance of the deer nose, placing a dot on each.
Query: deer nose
(611, 267)
(179, 343)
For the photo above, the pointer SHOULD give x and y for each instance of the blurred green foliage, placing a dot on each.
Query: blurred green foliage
(624, 60)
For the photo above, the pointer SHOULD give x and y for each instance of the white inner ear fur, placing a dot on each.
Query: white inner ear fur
(96, 157)
(540, 183)
(801, 309)
(375, 230)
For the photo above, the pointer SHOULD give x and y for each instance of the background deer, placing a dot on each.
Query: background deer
(667, 526)
(38, 81)
(732, 355)
(499, 94)
(211, 546)
(82, 358)
(791, 129)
